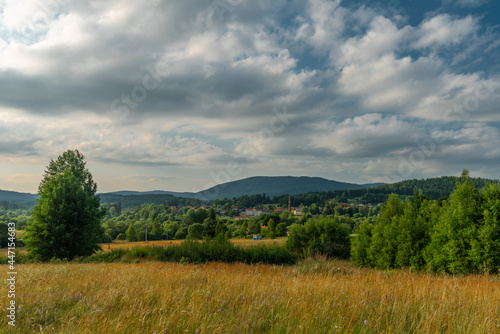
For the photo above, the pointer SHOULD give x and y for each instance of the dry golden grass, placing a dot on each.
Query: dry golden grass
(127, 245)
(237, 242)
(314, 296)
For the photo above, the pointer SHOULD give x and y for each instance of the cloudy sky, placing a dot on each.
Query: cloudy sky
(180, 95)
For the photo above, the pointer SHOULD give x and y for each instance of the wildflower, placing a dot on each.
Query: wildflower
(366, 322)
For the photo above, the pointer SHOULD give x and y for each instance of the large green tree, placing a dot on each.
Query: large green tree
(456, 232)
(67, 220)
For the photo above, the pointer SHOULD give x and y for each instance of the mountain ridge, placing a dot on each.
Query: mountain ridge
(269, 185)
(276, 186)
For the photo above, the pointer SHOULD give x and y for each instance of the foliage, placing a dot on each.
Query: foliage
(466, 237)
(131, 234)
(326, 236)
(195, 231)
(121, 236)
(67, 220)
(460, 235)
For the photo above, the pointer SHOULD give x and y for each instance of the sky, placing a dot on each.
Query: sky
(183, 95)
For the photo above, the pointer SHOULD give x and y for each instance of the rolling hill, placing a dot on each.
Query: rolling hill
(13, 196)
(305, 189)
(276, 186)
(271, 186)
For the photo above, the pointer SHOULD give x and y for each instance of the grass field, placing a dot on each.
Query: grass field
(314, 296)
(128, 245)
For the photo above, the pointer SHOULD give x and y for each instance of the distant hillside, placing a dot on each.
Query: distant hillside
(12, 196)
(129, 201)
(275, 186)
(434, 188)
(153, 192)
(304, 190)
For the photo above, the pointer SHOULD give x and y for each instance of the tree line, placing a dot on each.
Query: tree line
(458, 235)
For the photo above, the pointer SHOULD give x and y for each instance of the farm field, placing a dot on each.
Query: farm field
(313, 296)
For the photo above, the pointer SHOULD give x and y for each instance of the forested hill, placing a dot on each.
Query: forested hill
(248, 192)
(275, 186)
(11, 196)
(433, 188)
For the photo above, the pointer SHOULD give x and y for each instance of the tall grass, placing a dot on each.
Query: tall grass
(201, 252)
(312, 296)
(186, 252)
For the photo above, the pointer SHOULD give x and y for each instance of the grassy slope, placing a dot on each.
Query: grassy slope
(315, 296)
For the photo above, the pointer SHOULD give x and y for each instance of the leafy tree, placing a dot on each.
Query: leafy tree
(271, 229)
(383, 248)
(210, 224)
(221, 228)
(455, 233)
(314, 209)
(157, 230)
(131, 233)
(195, 231)
(361, 243)
(170, 229)
(121, 236)
(328, 210)
(297, 238)
(281, 229)
(113, 212)
(67, 220)
(244, 229)
(181, 233)
(485, 250)
(190, 217)
(326, 236)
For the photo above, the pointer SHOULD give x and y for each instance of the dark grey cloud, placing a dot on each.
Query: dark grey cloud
(18, 147)
(169, 84)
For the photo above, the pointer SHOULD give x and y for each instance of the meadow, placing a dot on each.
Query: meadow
(122, 244)
(312, 296)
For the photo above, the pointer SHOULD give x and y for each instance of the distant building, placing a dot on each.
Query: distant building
(253, 212)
